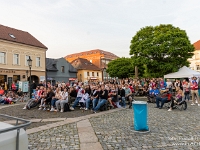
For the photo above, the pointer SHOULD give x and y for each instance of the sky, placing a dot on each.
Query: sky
(71, 26)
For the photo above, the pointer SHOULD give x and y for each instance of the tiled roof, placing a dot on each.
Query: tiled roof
(105, 53)
(51, 64)
(84, 64)
(18, 36)
(197, 45)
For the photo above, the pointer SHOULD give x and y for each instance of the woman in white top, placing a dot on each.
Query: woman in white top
(169, 85)
(61, 102)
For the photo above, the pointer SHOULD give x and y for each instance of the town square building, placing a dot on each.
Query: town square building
(195, 60)
(99, 58)
(15, 48)
(60, 70)
(87, 71)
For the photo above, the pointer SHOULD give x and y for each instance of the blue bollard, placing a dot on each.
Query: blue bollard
(140, 116)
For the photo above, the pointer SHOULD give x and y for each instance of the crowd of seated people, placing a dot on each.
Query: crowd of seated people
(11, 97)
(115, 94)
(91, 96)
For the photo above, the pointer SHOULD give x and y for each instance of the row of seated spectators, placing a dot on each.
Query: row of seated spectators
(92, 97)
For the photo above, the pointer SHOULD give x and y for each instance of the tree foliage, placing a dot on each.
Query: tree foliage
(162, 49)
(121, 68)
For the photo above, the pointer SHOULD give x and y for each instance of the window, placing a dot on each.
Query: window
(62, 69)
(88, 74)
(93, 74)
(26, 58)
(37, 61)
(12, 36)
(16, 59)
(198, 67)
(2, 58)
(16, 78)
(3, 79)
(97, 74)
(197, 56)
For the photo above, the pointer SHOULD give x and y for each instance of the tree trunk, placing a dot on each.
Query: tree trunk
(136, 72)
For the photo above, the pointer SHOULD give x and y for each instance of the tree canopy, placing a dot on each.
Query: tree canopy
(162, 49)
(121, 68)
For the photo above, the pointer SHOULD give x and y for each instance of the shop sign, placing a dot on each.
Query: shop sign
(7, 71)
(72, 79)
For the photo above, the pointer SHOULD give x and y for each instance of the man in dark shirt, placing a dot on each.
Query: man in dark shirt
(103, 96)
(121, 93)
(95, 96)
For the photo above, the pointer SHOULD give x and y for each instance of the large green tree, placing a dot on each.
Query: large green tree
(121, 67)
(162, 49)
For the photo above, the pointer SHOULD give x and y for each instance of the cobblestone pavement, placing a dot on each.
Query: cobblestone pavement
(178, 130)
(63, 137)
(168, 129)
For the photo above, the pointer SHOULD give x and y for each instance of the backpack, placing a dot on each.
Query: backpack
(66, 107)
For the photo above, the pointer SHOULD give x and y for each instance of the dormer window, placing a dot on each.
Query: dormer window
(54, 65)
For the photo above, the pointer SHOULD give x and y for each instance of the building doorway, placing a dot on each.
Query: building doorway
(34, 78)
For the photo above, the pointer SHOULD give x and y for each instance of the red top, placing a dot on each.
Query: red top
(194, 85)
(14, 86)
(131, 88)
(1, 92)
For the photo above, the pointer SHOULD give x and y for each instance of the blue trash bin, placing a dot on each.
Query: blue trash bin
(140, 116)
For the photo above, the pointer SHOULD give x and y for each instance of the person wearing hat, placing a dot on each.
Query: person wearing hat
(194, 90)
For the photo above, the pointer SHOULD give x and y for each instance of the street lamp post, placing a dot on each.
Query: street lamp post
(29, 61)
(26, 75)
(104, 74)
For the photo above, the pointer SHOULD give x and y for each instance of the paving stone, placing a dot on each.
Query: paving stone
(87, 137)
(91, 146)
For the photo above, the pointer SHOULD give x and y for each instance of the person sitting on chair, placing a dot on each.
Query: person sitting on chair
(152, 94)
(164, 96)
(177, 100)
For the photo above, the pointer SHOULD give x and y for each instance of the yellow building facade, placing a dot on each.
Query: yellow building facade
(195, 60)
(87, 71)
(15, 48)
(89, 75)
